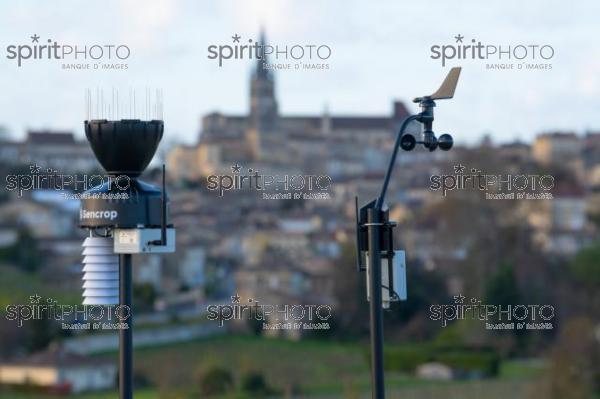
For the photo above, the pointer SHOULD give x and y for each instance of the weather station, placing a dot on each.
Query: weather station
(124, 215)
(375, 232)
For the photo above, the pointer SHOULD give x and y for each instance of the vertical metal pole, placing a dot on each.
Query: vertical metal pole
(126, 334)
(376, 321)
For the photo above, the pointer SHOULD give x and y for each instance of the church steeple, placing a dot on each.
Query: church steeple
(263, 104)
(261, 71)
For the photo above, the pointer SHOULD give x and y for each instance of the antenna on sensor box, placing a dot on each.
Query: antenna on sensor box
(163, 215)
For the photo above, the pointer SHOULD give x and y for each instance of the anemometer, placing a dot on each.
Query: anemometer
(375, 231)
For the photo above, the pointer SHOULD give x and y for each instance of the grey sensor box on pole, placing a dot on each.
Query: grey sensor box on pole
(397, 290)
(139, 241)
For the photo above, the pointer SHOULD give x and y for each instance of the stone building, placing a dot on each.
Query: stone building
(335, 144)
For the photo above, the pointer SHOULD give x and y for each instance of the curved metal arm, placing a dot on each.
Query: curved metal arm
(388, 175)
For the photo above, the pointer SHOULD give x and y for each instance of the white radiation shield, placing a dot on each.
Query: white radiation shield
(100, 272)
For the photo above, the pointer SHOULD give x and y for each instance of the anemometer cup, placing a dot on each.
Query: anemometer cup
(408, 142)
(445, 142)
(126, 146)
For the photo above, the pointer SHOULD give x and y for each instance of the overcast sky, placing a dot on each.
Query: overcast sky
(380, 52)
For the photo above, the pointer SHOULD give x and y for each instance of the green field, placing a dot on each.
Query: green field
(310, 368)
(17, 286)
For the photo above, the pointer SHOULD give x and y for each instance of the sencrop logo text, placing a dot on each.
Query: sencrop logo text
(98, 214)
(71, 56)
(517, 56)
(296, 56)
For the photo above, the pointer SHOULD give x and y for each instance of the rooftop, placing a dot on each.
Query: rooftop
(50, 137)
(56, 356)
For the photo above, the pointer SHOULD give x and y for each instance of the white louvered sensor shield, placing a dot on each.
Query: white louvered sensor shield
(100, 272)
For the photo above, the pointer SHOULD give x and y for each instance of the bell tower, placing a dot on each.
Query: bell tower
(262, 120)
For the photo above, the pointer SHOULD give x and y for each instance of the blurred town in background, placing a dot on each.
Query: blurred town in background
(301, 251)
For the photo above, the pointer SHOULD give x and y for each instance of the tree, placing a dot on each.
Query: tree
(351, 311)
(40, 333)
(501, 288)
(216, 381)
(254, 383)
(584, 267)
(24, 252)
(574, 371)
(144, 295)
(582, 290)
